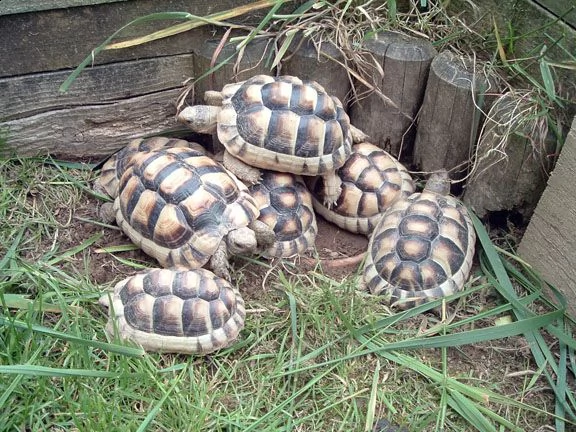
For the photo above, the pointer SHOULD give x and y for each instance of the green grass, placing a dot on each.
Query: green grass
(316, 354)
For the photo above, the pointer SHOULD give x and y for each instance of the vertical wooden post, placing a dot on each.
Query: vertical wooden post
(402, 69)
(510, 164)
(310, 61)
(448, 120)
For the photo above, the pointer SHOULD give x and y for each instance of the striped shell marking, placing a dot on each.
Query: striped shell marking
(420, 250)
(191, 312)
(372, 180)
(178, 206)
(286, 206)
(116, 164)
(284, 124)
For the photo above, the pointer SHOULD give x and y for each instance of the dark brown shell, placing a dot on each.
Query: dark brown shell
(177, 206)
(176, 311)
(285, 124)
(286, 206)
(117, 164)
(371, 180)
(421, 249)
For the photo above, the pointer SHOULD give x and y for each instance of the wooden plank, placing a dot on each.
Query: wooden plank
(566, 10)
(310, 62)
(510, 170)
(92, 130)
(27, 95)
(8, 7)
(549, 243)
(60, 39)
(404, 63)
(447, 117)
(109, 105)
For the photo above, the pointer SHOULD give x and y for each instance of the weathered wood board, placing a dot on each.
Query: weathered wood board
(448, 119)
(403, 65)
(61, 38)
(109, 105)
(549, 243)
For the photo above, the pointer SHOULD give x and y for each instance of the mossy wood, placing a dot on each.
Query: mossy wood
(549, 243)
(322, 63)
(448, 119)
(510, 172)
(403, 65)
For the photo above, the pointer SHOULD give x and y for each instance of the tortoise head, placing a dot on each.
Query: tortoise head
(200, 118)
(439, 182)
(241, 241)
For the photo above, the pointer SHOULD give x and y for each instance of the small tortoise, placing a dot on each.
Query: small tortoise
(113, 168)
(286, 206)
(277, 123)
(371, 180)
(189, 311)
(422, 247)
(184, 209)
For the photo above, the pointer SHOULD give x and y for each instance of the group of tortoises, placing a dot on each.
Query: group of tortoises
(290, 152)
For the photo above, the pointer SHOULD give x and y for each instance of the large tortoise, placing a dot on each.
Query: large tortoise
(277, 123)
(183, 311)
(422, 247)
(185, 209)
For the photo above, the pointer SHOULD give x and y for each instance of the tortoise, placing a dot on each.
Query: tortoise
(286, 206)
(370, 181)
(422, 247)
(183, 311)
(185, 209)
(113, 167)
(277, 123)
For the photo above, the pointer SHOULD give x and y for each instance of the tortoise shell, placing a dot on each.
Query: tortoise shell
(421, 249)
(286, 206)
(192, 312)
(116, 164)
(285, 124)
(371, 180)
(177, 205)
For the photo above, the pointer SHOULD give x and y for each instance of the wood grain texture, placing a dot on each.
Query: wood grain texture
(549, 243)
(92, 130)
(8, 7)
(308, 61)
(404, 63)
(109, 105)
(61, 38)
(26, 95)
(510, 170)
(447, 118)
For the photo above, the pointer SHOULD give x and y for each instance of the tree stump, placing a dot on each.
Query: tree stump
(511, 161)
(448, 120)
(241, 66)
(549, 243)
(403, 63)
(310, 61)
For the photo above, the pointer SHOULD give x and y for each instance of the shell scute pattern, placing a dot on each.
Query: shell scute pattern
(117, 164)
(285, 121)
(286, 206)
(178, 208)
(421, 249)
(371, 180)
(190, 311)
